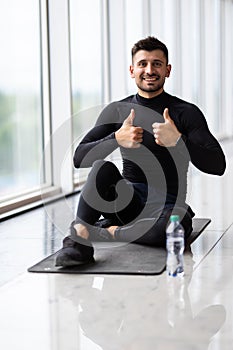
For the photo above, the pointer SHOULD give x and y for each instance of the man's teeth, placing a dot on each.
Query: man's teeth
(151, 79)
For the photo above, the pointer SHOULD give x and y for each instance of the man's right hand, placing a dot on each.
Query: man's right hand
(129, 136)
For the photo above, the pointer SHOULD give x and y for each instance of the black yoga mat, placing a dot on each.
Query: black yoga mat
(119, 258)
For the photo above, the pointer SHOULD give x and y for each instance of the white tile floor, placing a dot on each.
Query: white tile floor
(85, 312)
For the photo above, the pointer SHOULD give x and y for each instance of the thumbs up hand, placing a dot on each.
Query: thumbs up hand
(166, 134)
(129, 136)
(129, 120)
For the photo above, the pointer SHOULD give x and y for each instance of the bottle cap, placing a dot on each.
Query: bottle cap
(174, 218)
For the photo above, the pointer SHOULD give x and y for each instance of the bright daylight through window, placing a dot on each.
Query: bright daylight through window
(86, 68)
(21, 137)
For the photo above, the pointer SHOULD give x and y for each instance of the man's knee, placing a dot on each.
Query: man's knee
(102, 167)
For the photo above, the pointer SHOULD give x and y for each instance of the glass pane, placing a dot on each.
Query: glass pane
(86, 67)
(133, 33)
(20, 96)
(211, 61)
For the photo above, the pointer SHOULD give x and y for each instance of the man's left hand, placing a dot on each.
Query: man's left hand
(166, 134)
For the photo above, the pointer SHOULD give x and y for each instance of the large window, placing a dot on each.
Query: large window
(87, 66)
(200, 40)
(86, 61)
(21, 137)
(62, 60)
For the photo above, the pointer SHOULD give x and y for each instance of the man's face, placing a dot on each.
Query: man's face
(150, 69)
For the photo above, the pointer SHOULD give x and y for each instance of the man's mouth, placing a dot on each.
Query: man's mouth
(151, 79)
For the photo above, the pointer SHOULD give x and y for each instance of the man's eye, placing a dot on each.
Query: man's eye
(142, 64)
(157, 64)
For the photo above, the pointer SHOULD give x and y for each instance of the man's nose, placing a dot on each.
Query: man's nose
(149, 68)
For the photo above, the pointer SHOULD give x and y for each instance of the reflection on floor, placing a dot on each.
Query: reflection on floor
(67, 312)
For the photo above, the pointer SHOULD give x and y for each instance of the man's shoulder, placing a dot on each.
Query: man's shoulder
(181, 106)
(115, 111)
(129, 99)
(178, 101)
(124, 101)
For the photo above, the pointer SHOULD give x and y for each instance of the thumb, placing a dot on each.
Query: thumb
(166, 115)
(130, 118)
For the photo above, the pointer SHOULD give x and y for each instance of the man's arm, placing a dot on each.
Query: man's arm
(205, 151)
(97, 144)
(100, 141)
(192, 129)
(207, 157)
(106, 136)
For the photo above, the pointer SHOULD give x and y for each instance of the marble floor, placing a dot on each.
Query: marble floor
(109, 312)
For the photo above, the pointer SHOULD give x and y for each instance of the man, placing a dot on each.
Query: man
(158, 135)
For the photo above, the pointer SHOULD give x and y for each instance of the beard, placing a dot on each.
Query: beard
(155, 86)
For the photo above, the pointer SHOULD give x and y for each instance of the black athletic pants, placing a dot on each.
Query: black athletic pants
(108, 194)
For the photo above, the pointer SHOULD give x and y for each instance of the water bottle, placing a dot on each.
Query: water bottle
(175, 247)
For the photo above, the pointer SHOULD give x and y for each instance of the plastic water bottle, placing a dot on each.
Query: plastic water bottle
(175, 247)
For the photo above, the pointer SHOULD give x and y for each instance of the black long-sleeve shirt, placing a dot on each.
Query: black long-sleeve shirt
(153, 164)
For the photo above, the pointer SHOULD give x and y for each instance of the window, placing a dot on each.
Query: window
(86, 67)
(199, 40)
(86, 57)
(21, 135)
(61, 61)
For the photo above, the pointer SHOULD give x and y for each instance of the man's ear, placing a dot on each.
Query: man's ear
(169, 67)
(131, 70)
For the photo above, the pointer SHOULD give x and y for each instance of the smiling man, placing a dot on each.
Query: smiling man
(150, 69)
(158, 136)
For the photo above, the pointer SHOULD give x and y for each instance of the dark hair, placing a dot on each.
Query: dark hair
(149, 44)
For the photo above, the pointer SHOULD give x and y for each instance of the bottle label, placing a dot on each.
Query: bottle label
(175, 248)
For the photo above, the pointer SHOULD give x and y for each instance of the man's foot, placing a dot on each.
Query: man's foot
(80, 230)
(111, 230)
(74, 253)
(92, 233)
(77, 248)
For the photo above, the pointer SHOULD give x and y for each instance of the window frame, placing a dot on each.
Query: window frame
(54, 20)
